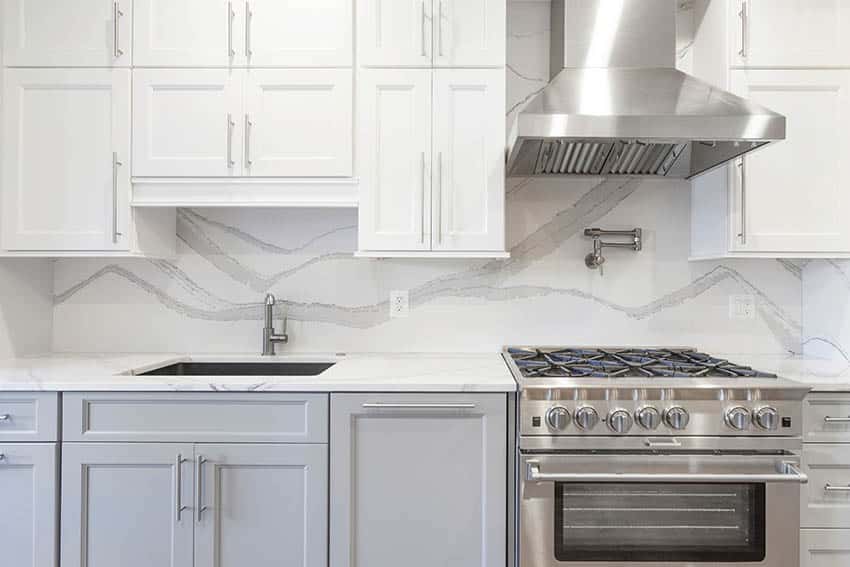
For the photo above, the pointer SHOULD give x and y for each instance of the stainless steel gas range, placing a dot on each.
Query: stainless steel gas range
(655, 456)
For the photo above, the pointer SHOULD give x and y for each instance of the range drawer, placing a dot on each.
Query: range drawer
(826, 497)
(826, 418)
(190, 418)
(29, 416)
(824, 548)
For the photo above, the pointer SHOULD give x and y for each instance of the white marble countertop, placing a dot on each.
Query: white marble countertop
(432, 372)
(823, 375)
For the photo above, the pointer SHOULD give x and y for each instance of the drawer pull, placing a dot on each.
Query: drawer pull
(829, 419)
(199, 484)
(5, 417)
(830, 488)
(2, 457)
(418, 406)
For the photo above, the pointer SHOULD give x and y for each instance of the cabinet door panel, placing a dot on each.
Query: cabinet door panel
(61, 129)
(395, 33)
(824, 503)
(186, 33)
(793, 192)
(418, 486)
(266, 506)
(790, 33)
(470, 33)
(180, 123)
(119, 505)
(299, 123)
(299, 33)
(824, 548)
(395, 159)
(67, 33)
(469, 143)
(28, 492)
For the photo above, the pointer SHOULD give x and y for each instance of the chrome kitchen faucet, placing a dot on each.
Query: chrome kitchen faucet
(270, 337)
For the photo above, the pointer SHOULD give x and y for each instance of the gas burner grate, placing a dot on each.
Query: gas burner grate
(626, 363)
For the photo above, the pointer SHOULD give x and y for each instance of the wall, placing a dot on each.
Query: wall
(206, 299)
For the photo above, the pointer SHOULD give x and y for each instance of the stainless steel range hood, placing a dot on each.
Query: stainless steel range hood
(616, 105)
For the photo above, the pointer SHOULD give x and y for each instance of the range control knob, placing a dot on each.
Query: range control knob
(677, 417)
(738, 418)
(586, 418)
(648, 417)
(558, 418)
(620, 421)
(766, 418)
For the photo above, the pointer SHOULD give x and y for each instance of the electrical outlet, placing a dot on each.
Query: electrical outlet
(742, 307)
(399, 304)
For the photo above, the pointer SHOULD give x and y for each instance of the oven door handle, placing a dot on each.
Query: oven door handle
(791, 474)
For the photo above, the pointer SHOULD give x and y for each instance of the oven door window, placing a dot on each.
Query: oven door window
(660, 522)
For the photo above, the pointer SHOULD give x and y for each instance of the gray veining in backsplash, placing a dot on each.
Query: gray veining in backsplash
(206, 299)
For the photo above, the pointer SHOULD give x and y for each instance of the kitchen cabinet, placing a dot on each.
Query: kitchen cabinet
(825, 548)
(432, 165)
(418, 480)
(825, 499)
(228, 123)
(440, 33)
(67, 33)
(789, 33)
(259, 33)
(29, 493)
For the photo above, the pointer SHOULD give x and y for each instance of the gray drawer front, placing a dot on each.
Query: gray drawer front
(826, 418)
(826, 497)
(824, 548)
(191, 418)
(29, 416)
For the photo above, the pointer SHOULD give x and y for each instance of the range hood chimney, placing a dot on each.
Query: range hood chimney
(616, 104)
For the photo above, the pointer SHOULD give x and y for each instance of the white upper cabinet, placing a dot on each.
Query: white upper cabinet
(67, 33)
(395, 159)
(298, 33)
(469, 187)
(186, 33)
(789, 33)
(442, 33)
(187, 123)
(298, 123)
(66, 180)
(792, 197)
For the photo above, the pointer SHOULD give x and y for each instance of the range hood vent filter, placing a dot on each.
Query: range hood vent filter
(570, 157)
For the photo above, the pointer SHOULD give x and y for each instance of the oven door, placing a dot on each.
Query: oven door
(679, 510)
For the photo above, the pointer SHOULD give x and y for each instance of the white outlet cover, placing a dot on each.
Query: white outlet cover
(742, 307)
(399, 304)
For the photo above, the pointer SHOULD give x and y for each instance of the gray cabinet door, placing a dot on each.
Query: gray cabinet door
(28, 493)
(418, 480)
(120, 505)
(262, 505)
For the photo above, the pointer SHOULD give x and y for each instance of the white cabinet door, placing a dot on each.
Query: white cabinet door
(187, 33)
(469, 147)
(262, 505)
(298, 123)
(824, 548)
(121, 505)
(418, 480)
(187, 123)
(66, 182)
(470, 33)
(794, 193)
(394, 146)
(67, 33)
(28, 493)
(395, 33)
(298, 33)
(790, 33)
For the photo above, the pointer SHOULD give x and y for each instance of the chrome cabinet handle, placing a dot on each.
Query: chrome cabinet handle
(424, 40)
(5, 417)
(230, 125)
(456, 406)
(422, 231)
(2, 457)
(199, 485)
(830, 488)
(230, 15)
(440, 198)
(115, 165)
(744, 14)
(116, 14)
(829, 419)
(440, 28)
(248, 16)
(178, 486)
(792, 474)
(743, 234)
(248, 125)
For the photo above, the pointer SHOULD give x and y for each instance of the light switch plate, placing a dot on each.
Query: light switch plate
(742, 307)
(399, 304)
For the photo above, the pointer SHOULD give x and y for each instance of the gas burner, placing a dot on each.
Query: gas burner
(626, 363)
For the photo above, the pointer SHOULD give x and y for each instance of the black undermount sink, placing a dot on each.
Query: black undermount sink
(240, 369)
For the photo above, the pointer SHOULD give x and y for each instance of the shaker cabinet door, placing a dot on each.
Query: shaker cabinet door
(470, 33)
(395, 33)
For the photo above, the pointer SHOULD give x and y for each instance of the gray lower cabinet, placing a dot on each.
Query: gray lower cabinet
(28, 498)
(418, 480)
(825, 548)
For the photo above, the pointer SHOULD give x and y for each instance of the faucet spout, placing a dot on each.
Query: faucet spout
(270, 336)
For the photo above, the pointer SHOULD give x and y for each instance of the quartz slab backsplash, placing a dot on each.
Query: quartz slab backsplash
(826, 309)
(206, 299)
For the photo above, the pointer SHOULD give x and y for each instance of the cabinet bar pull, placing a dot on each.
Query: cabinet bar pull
(424, 52)
(178, 486)
(2, 457)
(248, 125)
(230, 125)
(377, 405)
(199, 482)
(744, 14)
(248, 16)
(5, 417)
(230, 15)
(830, 488)
(115, 165)
(829, 419)
(422, 231)
(743, 234)
(116, 14)
(440, 198)
(440, 28)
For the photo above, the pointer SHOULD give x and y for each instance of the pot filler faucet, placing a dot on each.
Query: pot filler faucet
(270, 336)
